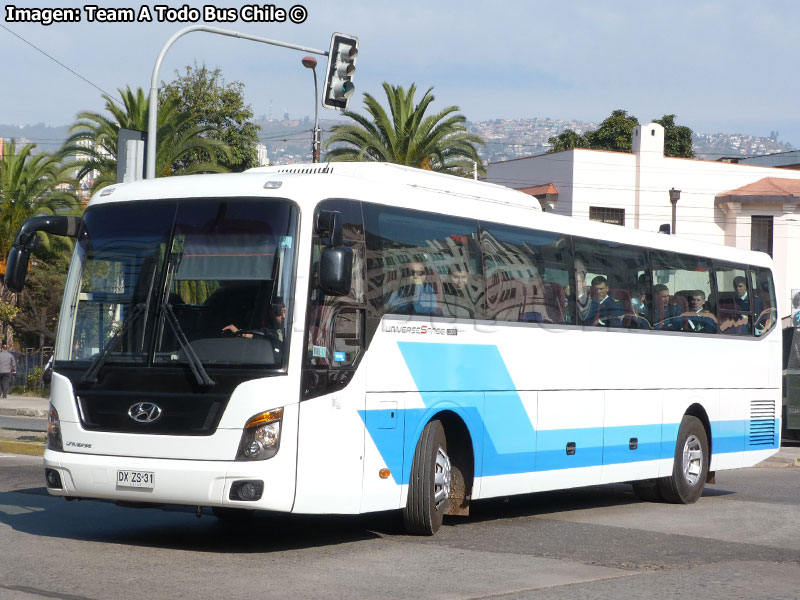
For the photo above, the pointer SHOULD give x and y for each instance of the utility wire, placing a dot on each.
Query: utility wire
(55, 60)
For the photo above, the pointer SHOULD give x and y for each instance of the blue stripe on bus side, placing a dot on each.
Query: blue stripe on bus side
(505, 437)
(552, 454)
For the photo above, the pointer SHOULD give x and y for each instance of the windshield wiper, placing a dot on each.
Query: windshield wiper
(90, 376)
(195, 364)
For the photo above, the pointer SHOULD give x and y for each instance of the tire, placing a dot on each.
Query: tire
(429, 487)
(690, 468)
(647, 490)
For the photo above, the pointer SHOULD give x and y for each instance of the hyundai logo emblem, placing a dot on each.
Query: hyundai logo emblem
(145, 412)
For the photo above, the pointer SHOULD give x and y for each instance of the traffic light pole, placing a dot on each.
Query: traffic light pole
(152, 117)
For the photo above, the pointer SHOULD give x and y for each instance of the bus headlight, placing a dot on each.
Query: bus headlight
(262, 436)
(54, 430)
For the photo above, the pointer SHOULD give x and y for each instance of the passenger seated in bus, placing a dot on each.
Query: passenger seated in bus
(739, 324)
(667, 314)
(459, 302)
(640, 313)
(698, 318)
(577, 307)
(417, 298)
(743, 299)
(603, 309)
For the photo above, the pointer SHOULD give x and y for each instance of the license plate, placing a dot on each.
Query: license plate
(136, 479)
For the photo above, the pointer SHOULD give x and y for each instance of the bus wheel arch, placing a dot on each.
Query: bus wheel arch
(441, 474)
(462, 462)
(697, 411)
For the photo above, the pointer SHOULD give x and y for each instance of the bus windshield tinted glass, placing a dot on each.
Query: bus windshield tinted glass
(150, 278)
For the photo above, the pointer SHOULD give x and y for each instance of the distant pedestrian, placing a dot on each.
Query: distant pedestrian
(8, 366)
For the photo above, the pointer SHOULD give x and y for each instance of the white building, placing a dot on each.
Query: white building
(742, 205)
(261, 153)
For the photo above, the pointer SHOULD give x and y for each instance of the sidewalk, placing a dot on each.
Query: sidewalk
(15, 441)
(24, 406)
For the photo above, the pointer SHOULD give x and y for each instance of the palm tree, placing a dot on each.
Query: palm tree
(30, 185)
(94, 139)
(438, 142)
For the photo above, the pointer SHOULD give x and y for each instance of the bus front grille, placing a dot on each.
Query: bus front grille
(151, 413)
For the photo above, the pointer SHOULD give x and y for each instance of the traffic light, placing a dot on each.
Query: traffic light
(341, 67)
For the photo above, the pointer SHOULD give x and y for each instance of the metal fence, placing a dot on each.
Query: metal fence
(30, 364)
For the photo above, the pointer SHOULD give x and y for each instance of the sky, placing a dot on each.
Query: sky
(720, 66)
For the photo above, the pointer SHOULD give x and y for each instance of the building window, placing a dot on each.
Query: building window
(615, 216)
(761, 234)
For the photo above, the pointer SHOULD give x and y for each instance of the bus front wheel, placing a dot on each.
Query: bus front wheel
(429, 487)
(690, 468)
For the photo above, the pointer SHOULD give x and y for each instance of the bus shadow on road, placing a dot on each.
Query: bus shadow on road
(34, 512)
(544, 503)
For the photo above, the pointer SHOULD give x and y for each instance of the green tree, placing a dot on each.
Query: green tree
(567, 140)
(406, 136)
(615, 133)
(677, 138)
(210, 102)
(182, 148)
(39, 303)
(32, 184)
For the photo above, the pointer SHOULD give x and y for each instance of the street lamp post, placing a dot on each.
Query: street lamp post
(152, 115)
(674, 196)
(309, 62)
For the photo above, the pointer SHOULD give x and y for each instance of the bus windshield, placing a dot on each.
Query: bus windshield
(197, 282)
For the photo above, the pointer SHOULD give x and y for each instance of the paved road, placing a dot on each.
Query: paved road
(741, 540)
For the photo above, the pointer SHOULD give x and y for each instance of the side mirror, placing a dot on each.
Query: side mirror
(336, 270)
(26, 241)
(17, 269)
(55, 224)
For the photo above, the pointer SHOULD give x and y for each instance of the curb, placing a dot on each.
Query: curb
(24, 412)
(17, 447)
(779, 463)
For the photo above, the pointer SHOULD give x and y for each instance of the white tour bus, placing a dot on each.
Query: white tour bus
(355, 337)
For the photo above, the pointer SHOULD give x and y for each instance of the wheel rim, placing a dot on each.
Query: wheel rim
(692, 460)
(441, 478)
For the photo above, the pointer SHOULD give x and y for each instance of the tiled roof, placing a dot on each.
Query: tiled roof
(769, 189)
(539, 190)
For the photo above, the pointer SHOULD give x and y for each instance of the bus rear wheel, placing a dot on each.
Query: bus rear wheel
(690, 467)
(429, 488)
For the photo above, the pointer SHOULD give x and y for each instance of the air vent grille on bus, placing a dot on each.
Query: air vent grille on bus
(307, 170)
(762, 423)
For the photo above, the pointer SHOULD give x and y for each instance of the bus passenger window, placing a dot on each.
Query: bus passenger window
(613, 296)
(736, 304)
(763, 294)
(682, 293)
(423, 264)
(527, 274)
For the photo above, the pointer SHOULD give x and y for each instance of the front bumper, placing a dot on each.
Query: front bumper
(188, 482)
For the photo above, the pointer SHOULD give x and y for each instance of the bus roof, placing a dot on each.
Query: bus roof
(396, 185)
